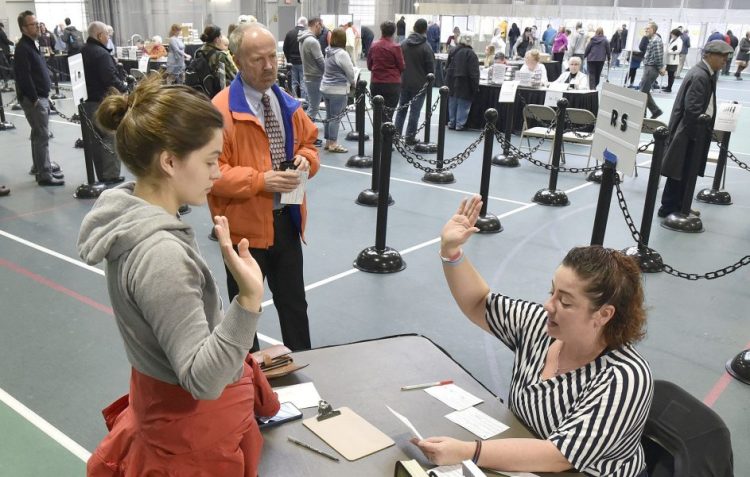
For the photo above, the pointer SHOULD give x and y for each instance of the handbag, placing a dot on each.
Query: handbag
(276, 361)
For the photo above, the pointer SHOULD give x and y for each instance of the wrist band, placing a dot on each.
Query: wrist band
(477, 451)
(455, 260)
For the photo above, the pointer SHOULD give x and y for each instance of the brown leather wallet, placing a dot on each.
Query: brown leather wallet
(276, 361)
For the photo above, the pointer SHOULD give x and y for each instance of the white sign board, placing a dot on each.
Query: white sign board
(727, 115)
(508, 92)
(554, 94)
(618, 126)
(498, 73)
(143, 64)
(77, 79)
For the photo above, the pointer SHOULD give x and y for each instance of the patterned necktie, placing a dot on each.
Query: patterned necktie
(273, 131)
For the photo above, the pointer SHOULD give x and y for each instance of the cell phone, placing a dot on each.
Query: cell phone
(287, 412)
(287, 165)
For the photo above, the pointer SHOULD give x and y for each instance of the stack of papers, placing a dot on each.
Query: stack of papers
(301, 395)
(477, 422)
(453, 396)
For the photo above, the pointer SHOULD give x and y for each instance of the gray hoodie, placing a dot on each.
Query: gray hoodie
(165, 300)
(313, 63)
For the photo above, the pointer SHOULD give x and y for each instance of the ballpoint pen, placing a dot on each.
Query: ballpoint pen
(309, 447)
(412, 387)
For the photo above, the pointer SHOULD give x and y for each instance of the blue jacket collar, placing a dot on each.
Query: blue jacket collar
(238, 103)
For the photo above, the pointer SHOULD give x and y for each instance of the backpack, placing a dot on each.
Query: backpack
(199, 74)
(75, 40)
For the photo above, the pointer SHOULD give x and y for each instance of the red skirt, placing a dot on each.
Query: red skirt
(159, 429)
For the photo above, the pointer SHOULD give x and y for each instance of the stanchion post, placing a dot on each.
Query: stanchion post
(91, 189)
(649, 260)
(487, 223)
(439, 176)
(369, 197)
(551, 196)
(4, 125)
(507, 158)
(715, 195)
(684, 221)
(605, 199)
(58, 94)
(359, 113)
(380, 258)
(426, 147)
(360, 160)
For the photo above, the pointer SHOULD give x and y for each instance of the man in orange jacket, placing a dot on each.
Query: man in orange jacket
(268, 142)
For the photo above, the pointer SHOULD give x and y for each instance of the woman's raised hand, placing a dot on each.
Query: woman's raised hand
(460, 227)
(242, 265)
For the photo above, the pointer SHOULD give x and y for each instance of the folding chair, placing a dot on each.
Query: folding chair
(137, 74)
(648, 127)
(538, 114)
(684, 437)
(579, 119)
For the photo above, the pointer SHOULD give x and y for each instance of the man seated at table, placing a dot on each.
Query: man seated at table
(500, 59)
(533, 65)
(573, 77)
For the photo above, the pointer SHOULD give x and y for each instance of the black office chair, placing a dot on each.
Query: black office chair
(685, 438)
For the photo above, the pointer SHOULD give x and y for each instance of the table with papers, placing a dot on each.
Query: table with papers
(367, 377)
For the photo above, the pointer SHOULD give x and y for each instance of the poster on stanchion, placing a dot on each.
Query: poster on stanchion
(727, 116)
(77, 79)
(618, 126)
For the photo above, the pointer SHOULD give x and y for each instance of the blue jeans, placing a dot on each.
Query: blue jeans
(458, 111)
(414, 110)
(298, 81)
(335, 103)
(313, 97)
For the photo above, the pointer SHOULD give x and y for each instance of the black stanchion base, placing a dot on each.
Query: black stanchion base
(649, 262)
(596, 176)
(78, 144)
(505, 160)
(739, 367)
(385, 261)
(556, 198)
(426, 147)
(57, 96)
(489, 224)
(89, 191)
(7, 89)
(75, 117)
(680, 222)
(5, 125)
(16, 107)
(361, 162)
(439, 177)
(713, 196)
(369, 198)
(354, 136)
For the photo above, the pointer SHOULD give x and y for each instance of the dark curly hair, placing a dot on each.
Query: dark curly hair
(612, 278)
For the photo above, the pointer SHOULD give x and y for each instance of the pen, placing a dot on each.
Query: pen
(426, 385)
(309, 447)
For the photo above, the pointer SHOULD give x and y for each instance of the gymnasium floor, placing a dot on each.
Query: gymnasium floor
(63, 361)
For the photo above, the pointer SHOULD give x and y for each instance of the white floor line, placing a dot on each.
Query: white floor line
(51, 120)
(425, 184)
(75, 448)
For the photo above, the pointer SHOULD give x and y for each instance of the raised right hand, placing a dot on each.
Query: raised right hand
(281, 181)
(241, 265)
(460, 227)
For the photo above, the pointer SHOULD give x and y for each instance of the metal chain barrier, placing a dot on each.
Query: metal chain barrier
(668, 268)
(339, 116)
(90, 125)
(414, 158)
(424, 123)
(730, 155)
(59, 113)
(579, 131)
(401, 107)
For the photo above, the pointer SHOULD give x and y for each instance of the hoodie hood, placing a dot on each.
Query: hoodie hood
(416, 39)
(119, 221)
(598, 39)
(301, 36)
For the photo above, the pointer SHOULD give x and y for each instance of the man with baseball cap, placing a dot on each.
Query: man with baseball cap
(697, 95)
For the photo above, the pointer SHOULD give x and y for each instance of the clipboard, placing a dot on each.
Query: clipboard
(349, 434)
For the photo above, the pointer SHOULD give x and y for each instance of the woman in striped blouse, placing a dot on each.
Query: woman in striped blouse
(577, 381)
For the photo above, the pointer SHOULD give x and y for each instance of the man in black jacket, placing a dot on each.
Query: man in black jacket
(5, 45)
(32, 90)
(697, 96)
(102, 74)
(293, 56)
(73, 38)
(420, 61)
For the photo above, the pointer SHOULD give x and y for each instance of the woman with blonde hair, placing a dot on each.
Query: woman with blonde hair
(176, 57)
(194, 390)
(533, 65)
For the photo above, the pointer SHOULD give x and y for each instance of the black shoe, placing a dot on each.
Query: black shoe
(4, 191)
(114, 180)
(53, 166)
(656, 114)
(48, 179)
(318, 142)
(451, 126)
(460, 128)
(410, 141)
(666, 90)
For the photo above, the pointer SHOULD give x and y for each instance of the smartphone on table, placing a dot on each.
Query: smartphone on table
(287, 412)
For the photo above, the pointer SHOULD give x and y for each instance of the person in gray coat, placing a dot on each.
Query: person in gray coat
(697, 96)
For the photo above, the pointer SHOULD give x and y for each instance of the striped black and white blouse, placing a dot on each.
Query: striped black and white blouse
(594, 414)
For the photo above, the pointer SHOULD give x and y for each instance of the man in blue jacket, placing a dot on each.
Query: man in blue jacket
(433, 36)
(32, 90)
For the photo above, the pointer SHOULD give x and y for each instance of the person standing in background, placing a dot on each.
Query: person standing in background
(401, 30)
(386, 62)
(672, 57)
(462, 77)
(433, 36)
(653, 67)
(5, 44)
(453, 39)
(351, 42)
(683, 53)
(548, 37)
(419, 62)
(733, 42)
(597, 52)
(513, 35)
(559, 45)
(176, 57)
(616, 45)
(292, 55)
(743, 55)
(313, 64)
(338, 81)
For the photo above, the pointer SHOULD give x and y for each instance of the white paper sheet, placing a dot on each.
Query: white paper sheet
(408, 423)
(447, 471)
(301, 395)
(508, 92)
(453, 396)
(477, 422)
(296, 196)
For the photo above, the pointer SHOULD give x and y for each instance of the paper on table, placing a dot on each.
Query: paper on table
(453, 396)
(407, 422)
(295, 196)
(301, 395)
(477, 422)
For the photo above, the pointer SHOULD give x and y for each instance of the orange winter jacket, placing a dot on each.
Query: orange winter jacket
(239, 194)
